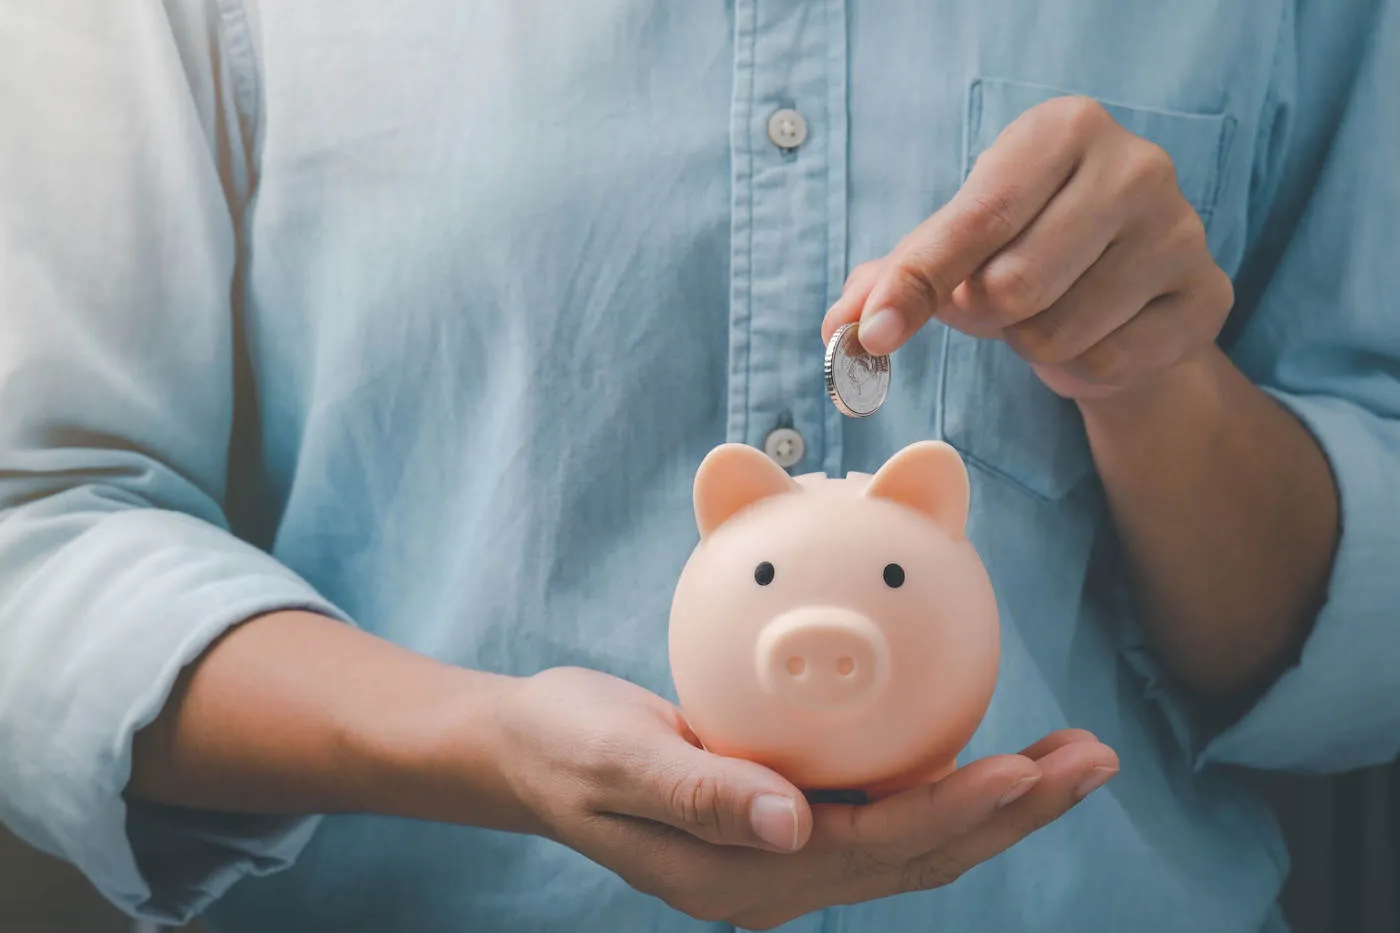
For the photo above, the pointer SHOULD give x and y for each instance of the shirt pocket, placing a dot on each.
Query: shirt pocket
(993, 409)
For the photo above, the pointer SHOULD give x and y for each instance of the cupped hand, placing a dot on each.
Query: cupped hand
(612, 771)
(1070, 241)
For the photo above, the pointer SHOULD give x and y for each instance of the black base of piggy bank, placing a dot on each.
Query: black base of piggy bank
(852, 797)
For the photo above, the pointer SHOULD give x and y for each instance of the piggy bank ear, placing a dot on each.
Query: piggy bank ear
(929, 477)
(733, 477)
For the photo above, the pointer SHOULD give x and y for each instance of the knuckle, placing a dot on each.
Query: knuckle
(1014, 285)
(696, 800)
(1149, 166)
(1187, 233)
(991, 215)
(1219, 292)
(1079, 113)
(928, 286)
(1039, 340)
(1210, 301)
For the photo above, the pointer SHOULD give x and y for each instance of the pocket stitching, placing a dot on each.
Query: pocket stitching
(1210, 193)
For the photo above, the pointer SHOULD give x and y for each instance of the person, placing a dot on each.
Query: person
(357, 359)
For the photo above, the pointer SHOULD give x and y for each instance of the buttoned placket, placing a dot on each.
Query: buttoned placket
(788, 244)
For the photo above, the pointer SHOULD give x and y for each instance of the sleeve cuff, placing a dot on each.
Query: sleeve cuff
(1338, 707)
(104, 629)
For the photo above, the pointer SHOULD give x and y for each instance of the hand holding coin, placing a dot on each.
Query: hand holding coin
(856, 380)
(1072, 243)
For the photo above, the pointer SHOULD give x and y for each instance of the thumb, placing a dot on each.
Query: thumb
(725, 801)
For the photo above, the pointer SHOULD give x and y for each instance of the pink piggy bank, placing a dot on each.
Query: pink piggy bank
(842, 632)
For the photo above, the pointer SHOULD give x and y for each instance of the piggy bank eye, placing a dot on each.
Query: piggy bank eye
(894, 576)
(763, 574)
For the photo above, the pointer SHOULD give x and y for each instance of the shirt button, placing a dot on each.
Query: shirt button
(785, 446)
(787, 129)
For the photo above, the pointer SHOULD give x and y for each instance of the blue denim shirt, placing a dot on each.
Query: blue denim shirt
(423, 315)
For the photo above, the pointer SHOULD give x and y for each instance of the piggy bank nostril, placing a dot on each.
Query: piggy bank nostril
(845, 667)
(796, 666)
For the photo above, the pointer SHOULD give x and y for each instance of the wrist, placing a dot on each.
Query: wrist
(435, 753)
(293, 712)
(1187, 394)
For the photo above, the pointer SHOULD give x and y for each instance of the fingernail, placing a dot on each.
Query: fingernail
(881, 331)
(1018, 790)
(1095, 779)
(774, 820)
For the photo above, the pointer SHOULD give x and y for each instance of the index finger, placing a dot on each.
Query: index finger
(1008, 187)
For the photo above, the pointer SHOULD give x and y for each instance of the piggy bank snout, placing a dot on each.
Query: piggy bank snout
(822, 658)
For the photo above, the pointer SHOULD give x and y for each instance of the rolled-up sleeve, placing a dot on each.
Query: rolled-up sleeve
(121, 163)
(1324, 340)
(1338, 706)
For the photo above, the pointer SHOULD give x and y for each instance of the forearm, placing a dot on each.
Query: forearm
(294, 712)
(1229, 517)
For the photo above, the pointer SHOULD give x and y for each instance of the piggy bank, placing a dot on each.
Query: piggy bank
(842, 632)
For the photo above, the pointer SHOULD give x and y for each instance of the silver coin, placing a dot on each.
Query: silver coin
(856, 380)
